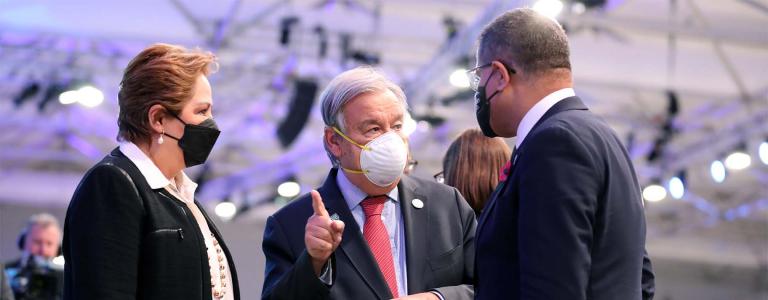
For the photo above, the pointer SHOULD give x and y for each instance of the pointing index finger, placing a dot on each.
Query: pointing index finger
(317, 204)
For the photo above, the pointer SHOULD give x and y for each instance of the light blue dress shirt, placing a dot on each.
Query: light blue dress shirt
(393, 220)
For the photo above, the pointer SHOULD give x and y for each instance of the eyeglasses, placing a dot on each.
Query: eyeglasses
(474, 76)
(439, 177)
(411, 165)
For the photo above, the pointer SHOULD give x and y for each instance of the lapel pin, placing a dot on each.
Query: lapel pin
(417, 203)
(335, 217)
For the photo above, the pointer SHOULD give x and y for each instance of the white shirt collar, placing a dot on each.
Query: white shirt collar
(152, 173)
(352, 194)
(538, 110)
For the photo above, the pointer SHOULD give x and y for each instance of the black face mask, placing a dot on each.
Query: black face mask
(197, 141)
(483, 109)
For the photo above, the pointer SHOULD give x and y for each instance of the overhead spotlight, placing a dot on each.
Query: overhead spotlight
(763, 152)
(68, 97)
(717, 170)
(459, 78)
(87, 96)
(364, 57)
(90, 96)
(451, 26)
(226, 210)
(739, 159)
(548, 8)
(322, 37)
(427, 121)
(288, 189)
(676, 185)
(29, 91)
(654, 193)
(286, 27)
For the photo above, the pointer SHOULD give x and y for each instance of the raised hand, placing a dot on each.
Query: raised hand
(321, 235)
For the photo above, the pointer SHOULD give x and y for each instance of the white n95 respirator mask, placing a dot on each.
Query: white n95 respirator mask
(382, 160)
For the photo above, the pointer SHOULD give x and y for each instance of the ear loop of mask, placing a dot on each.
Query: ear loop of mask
(180, 120)
(364, 147)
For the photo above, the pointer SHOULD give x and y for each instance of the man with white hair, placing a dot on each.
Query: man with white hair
(40, 238)
(369, 232)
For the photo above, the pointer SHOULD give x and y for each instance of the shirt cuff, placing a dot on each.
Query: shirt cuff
(327, 275)
(437, 293)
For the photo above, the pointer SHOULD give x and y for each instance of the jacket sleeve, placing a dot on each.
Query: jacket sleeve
(469, 223)
(102, 236)
(287, 277)
(558, 192)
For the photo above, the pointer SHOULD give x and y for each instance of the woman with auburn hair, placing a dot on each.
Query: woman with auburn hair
(133, 228)
(473, 164)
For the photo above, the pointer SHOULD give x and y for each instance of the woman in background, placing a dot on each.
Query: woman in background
(473, 165)
(133, 227)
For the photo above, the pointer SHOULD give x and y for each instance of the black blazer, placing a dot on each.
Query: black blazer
(124, 240)
(439, 241)
(568, 223)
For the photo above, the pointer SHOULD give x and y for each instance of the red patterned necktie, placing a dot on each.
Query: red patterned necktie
(378, 239)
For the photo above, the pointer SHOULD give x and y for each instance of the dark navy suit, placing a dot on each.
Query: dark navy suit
(568, 223)
(439, 246)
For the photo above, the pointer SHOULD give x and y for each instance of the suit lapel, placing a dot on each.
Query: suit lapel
(416, 222)
(570, 103)
(353, 244)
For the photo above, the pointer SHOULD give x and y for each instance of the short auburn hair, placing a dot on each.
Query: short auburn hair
(472, 164)
(161, 74)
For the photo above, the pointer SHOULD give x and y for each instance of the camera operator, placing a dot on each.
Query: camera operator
(39, 273)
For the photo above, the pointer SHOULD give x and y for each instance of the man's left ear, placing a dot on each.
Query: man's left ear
(505, 78)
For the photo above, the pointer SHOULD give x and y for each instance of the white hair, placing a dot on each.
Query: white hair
(42, 220)
(348, 85)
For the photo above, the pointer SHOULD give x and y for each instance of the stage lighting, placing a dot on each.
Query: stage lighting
(738, 159)
(90, 96)
(299, 110)
(654, 193)
(68, 97)
(29, 91)
(226, 210)
(288, 189)
(548, 8)
(451, 26)
(676, 186)
(717, 170)
(763, 152)
(459, 78)
(286, 27)
(87, 96)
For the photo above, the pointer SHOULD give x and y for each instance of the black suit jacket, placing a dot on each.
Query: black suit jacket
(568, 223)
(439, 240)
(124, 240)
